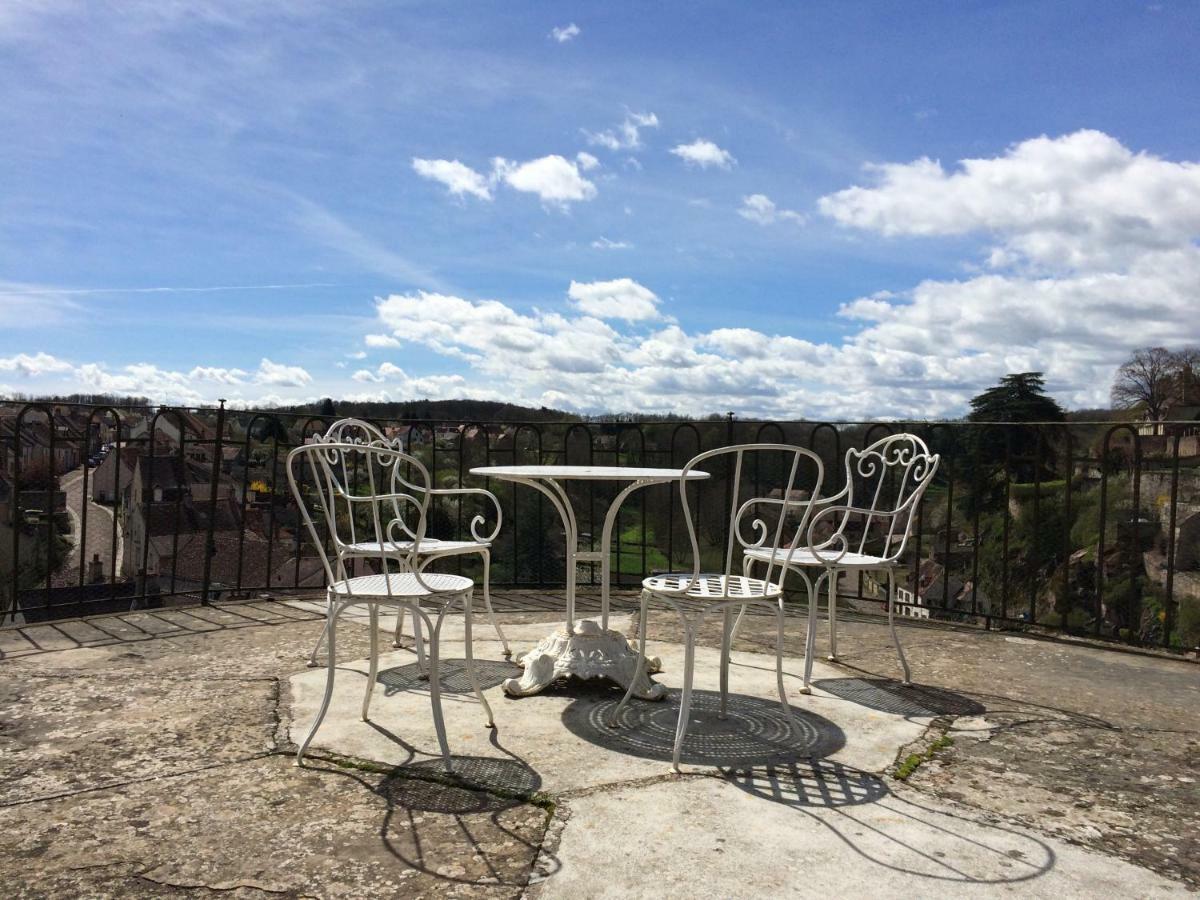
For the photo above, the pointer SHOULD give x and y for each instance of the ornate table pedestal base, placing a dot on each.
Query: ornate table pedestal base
(591, 652)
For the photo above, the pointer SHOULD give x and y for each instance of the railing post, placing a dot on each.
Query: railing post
(1169, 611)
(15, 518)
(729, 486)
(210, 547)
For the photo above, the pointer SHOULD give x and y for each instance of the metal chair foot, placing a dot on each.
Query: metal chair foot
(805, 690)
(832, 658)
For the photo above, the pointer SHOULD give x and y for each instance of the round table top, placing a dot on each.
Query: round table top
(587, 473)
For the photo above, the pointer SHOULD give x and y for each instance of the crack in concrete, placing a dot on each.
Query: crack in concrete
(132, 781)
(200, 886)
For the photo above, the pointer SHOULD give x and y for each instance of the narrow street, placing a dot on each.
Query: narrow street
(99, 530)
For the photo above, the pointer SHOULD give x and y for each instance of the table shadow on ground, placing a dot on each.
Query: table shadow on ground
(753, 731)
(888, 696)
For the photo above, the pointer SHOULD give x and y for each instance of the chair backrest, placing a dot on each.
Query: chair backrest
(360, 431)
(355, 431)
(884, 485)
(757, 518)
(360, 492)
(487, 504)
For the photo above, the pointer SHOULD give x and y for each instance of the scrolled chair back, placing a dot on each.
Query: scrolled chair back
(355, 431)
(756, 518)
(884, 485)
(359, 490)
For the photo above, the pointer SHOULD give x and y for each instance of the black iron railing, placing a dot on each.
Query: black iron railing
(1086, 527)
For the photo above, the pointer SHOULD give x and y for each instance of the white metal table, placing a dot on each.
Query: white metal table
(587, 649)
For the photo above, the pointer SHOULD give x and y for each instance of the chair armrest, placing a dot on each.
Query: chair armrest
(760, 527)
(831, 550)
(478, 520)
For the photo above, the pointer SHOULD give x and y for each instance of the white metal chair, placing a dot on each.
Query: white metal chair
(429, 549)
(693, 595)
(357, 489)
(884, 485)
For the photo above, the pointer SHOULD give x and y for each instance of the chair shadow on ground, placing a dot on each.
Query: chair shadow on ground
(911, 701)
(896, 832)
(487, 800)
(757, 751)
(452, 675)
(754, 730)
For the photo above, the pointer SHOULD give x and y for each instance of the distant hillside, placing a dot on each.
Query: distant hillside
(445, 410)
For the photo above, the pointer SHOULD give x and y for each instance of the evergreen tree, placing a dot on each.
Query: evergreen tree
(1019, 397)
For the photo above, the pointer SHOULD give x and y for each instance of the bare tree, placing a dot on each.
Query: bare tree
(1154, 377)
(1187, 378)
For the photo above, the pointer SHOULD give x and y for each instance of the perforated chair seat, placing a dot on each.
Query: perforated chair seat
(712, 587)
(427, 545)
(828, 557)
(401, 586)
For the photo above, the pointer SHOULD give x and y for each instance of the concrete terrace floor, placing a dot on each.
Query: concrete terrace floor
(149, 754)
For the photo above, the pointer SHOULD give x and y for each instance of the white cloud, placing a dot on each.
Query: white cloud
(762, 209)
(1093, 249)
(281, 375)
(458, 178)
(704, 153)
(622, 298)
(1128, 275)
(603, 243)
(627, 135)
(1080, 201)
(555, 179)
(218, 375)
(586, 161)
(197, 385)
(33, 366)
(565, 33)
(402, 386)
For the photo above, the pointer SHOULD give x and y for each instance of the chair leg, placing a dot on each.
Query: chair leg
(331, 633)
(892, 626)
(373, 668)
(810, 639)
(487, 602)
(685, 700)
(435, 689)
(833, 580)
(419, 638)
(747, 568)
(471, 675)
(779, 615)
(312, 658)
(399, 628)
(726, 628)
(640, 663)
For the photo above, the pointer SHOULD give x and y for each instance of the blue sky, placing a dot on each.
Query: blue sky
(666, 207)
